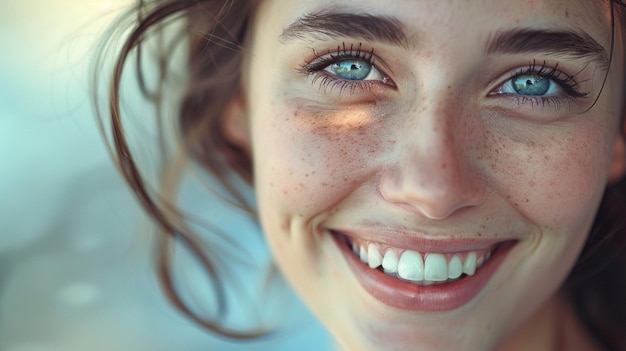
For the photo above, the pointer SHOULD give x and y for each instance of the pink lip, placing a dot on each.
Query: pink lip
(407, 296)
(440, 242)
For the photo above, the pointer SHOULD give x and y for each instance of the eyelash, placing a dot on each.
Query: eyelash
(316, 68)
(326, 80)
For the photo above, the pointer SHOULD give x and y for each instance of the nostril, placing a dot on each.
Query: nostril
(433, 197)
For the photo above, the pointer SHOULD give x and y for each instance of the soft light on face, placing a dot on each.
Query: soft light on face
(460, 158)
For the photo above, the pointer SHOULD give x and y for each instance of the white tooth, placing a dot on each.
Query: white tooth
(455, 267)
(373, 256)
(355, 249)
(479, 261)
(390, 262)
(411, 266)
(469, 267)
(488, 256)
(436, 267)
(363, 254)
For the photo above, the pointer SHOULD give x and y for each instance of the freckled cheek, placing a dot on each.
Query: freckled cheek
(555, 183)
(307, 163)
(568, 193)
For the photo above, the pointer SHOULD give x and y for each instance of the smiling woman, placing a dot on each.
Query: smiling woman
(427, 174)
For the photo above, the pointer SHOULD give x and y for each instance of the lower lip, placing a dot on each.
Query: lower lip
(408, 296)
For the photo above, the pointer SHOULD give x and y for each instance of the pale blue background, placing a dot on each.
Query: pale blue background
(75, 264)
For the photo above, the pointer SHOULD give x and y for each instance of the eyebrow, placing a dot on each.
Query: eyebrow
(338, 24)
(390, 30)
(563, 43)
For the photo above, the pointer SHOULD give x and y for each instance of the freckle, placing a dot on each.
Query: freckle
(479, 234)
(566, 14)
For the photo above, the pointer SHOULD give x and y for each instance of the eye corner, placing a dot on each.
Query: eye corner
(389, 82)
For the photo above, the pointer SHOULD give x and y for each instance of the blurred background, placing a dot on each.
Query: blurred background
(76, 263)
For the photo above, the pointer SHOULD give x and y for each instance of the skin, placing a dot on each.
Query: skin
(436, 156)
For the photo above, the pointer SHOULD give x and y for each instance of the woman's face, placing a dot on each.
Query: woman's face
(459, 147)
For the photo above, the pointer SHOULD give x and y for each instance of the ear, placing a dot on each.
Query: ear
(235, 122)
(618, 163)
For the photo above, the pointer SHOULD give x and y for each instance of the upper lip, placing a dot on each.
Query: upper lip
(424, 242)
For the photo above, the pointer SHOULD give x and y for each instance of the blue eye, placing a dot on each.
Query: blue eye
(350, 69)
(530, 85)
(354, 69)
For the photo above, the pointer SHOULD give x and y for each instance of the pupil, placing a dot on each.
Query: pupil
(531, 85)
(351, 70)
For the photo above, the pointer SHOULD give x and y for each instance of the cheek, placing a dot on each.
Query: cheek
(306, 162)
(555, 179)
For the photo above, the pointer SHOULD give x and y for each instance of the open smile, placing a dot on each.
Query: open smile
(422, 281)
(421, 268)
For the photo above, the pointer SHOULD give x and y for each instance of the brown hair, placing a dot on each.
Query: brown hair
(216, 31)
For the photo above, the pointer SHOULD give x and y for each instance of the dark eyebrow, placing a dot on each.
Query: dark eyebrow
(563, 43)
(339, 24)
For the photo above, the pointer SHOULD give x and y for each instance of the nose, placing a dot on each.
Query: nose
(432, 172)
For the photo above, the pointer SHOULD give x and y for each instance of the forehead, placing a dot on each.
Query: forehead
(450, 19)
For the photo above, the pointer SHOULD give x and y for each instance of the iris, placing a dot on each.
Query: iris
(351, 70)
(531, 85)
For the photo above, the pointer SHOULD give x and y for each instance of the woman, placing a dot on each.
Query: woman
(426, 173)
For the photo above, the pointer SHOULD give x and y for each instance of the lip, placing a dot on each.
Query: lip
(432, 298)
(442, 243)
